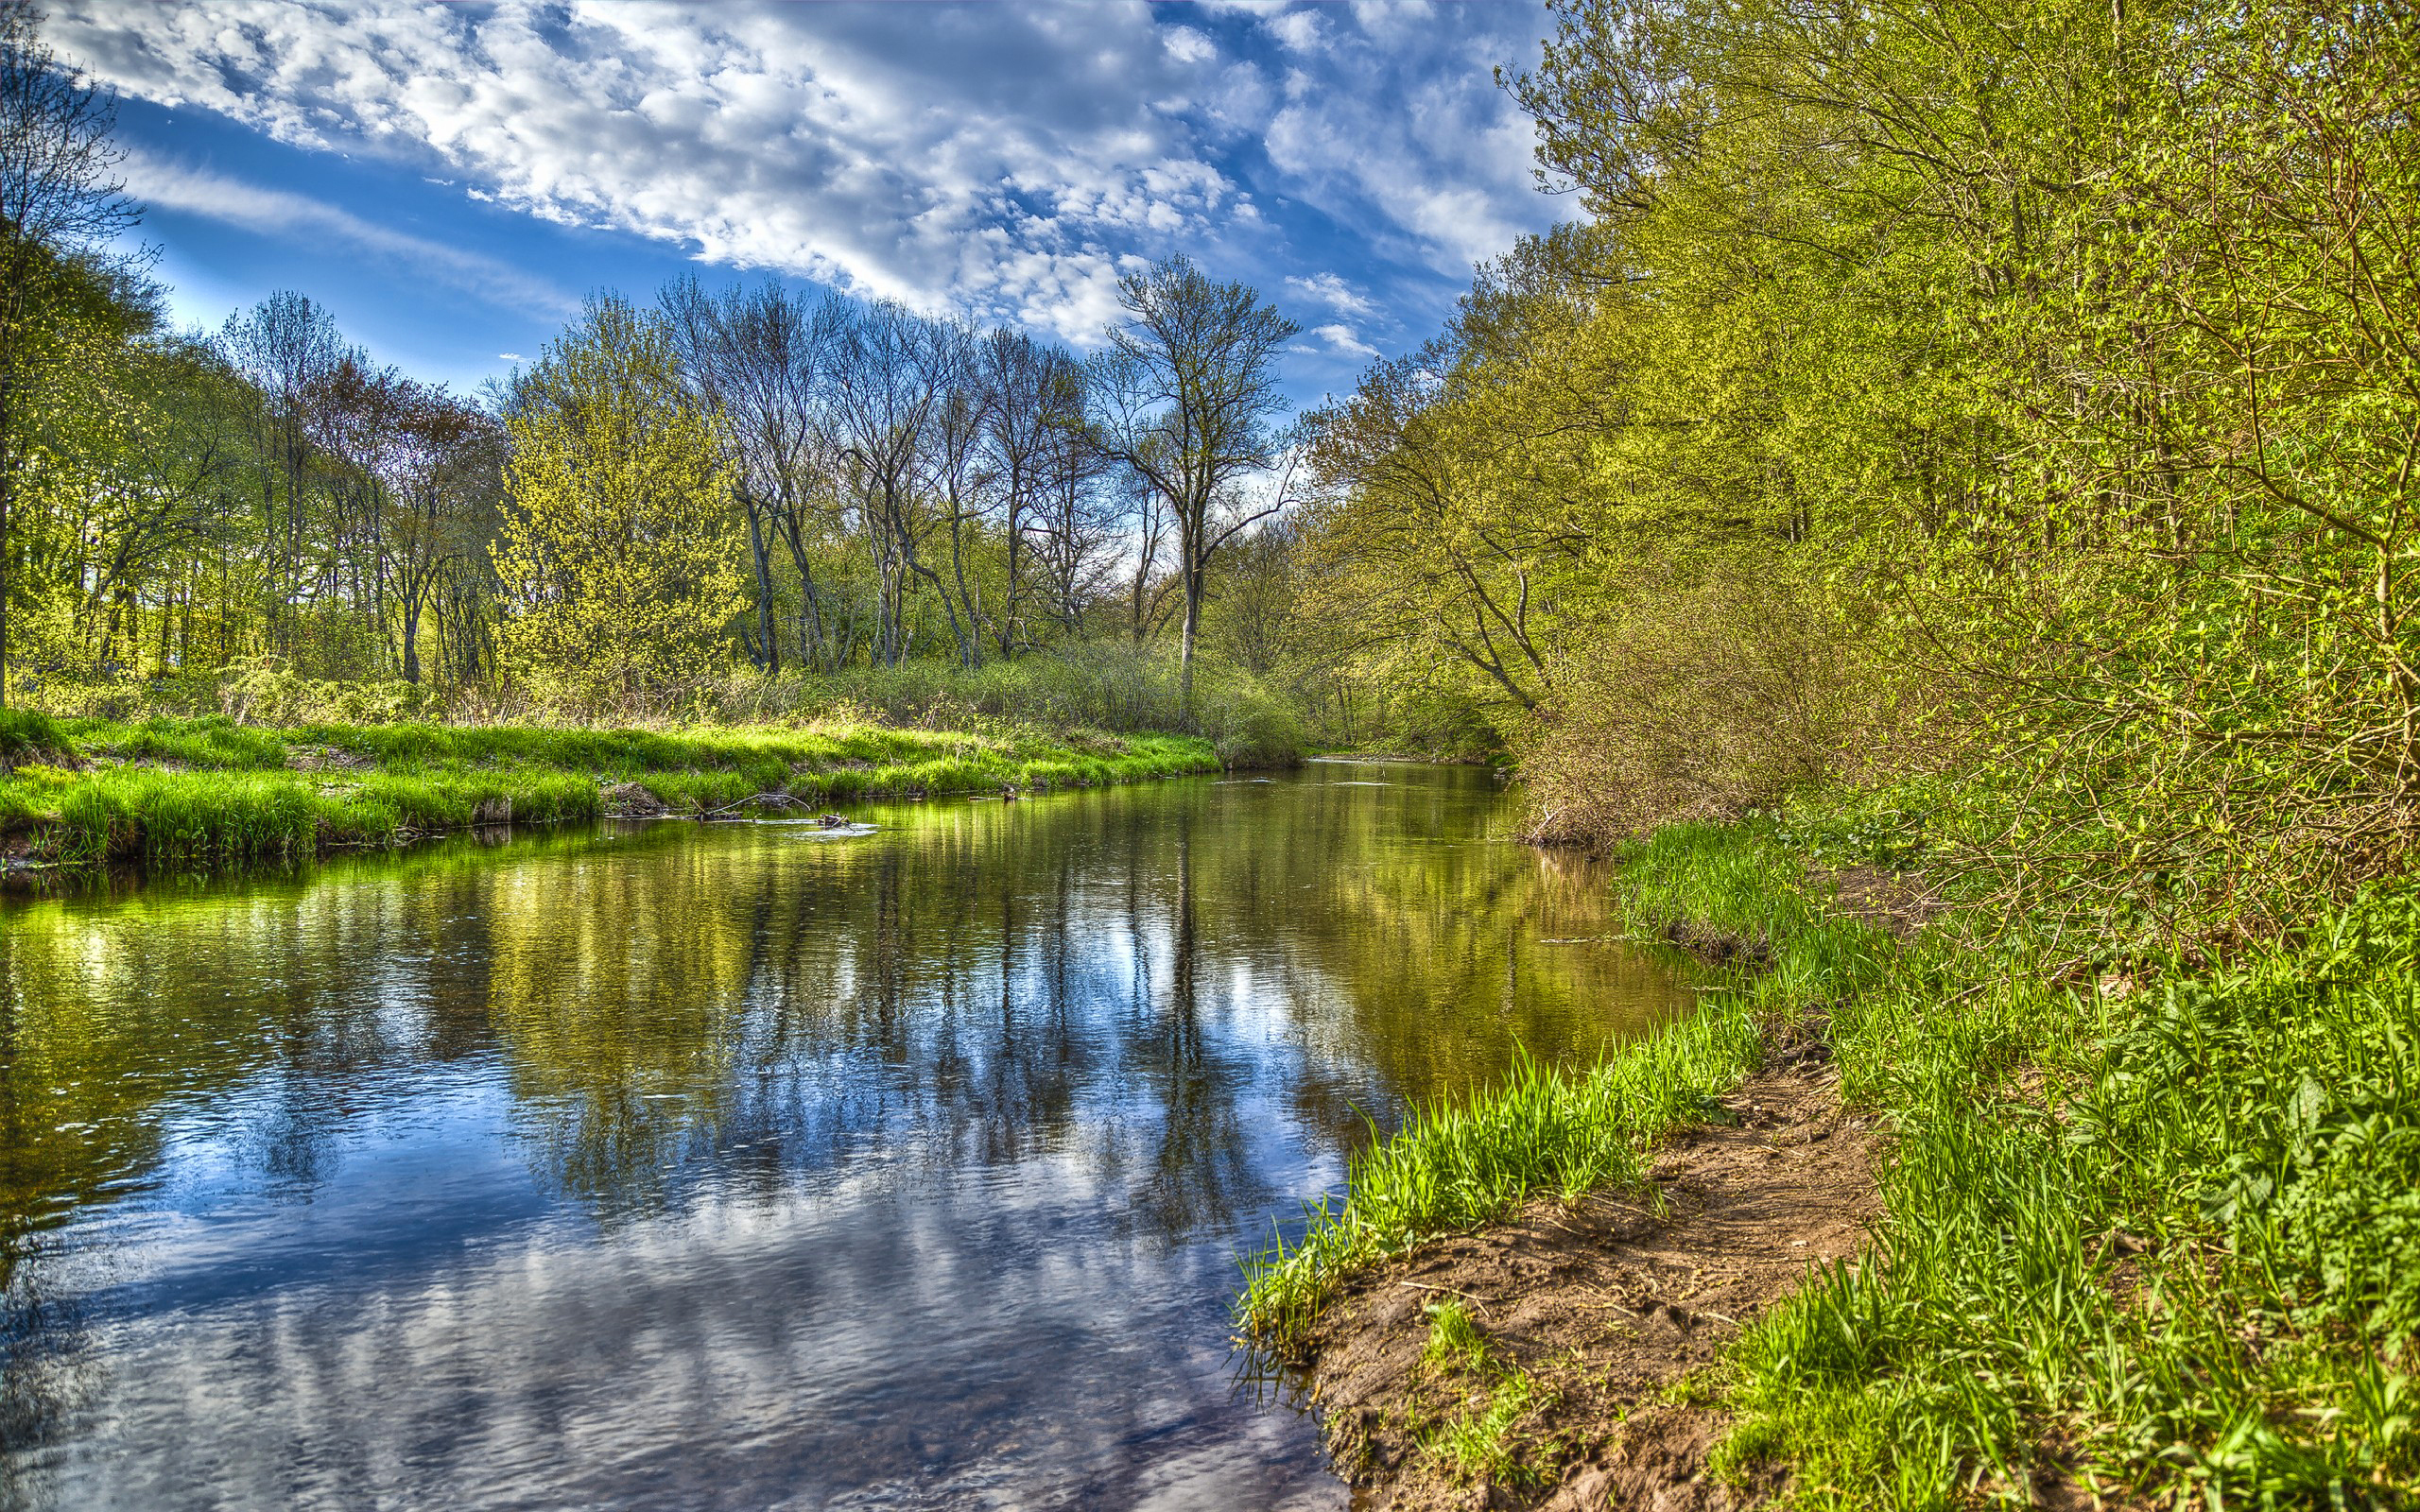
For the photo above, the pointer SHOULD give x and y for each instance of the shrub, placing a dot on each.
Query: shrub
(1699, 700)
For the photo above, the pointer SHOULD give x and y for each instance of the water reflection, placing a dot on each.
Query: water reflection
(740, 1166)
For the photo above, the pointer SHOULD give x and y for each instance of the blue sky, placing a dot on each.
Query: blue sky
(450, 179)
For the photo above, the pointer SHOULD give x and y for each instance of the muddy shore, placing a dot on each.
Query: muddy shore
(1598, 1320)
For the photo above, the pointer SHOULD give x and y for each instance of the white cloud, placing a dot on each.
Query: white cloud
(199, 192)
(997, 161)
(1340, 339)
(1332, 291)
(1187, 45)
(1296, 31)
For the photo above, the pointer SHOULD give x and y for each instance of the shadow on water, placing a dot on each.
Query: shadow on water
(740, 1165)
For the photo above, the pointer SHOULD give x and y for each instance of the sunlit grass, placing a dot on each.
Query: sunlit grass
(2164, 1222)
(1480, 1445)
(207, 793)
(1455, 1342)
(1463, 1161)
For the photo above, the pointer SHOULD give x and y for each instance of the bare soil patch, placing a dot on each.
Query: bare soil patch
(630, 800)
(1608, 1308)
(1900, 902)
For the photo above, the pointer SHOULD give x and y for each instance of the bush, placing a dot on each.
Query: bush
(1249, 726)
(267, 690)
(1702, 699)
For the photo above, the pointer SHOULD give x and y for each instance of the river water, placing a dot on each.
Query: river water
(744, 1165)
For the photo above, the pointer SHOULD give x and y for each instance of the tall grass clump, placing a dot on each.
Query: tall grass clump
(28, 737)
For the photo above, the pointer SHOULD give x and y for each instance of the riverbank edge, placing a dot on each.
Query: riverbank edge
(1505, 1179)
(2027, 1320)
(80, 795)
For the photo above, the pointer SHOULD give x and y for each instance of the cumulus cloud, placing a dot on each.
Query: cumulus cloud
(997, 161)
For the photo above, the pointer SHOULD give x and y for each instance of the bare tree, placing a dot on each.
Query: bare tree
(58, 199)
(1075, 528)
(1187, 394)
(760, 358)
(888, 384)
(1033, 412)
(955, 467)
(287, 348)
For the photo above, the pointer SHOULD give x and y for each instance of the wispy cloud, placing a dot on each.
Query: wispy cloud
(1341, 340)
(197, 191)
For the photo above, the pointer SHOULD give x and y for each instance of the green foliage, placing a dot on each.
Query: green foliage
(2011, 396)
(1455, 1342)
(620, 552)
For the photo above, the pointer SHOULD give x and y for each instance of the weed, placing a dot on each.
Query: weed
(1455, 1342)
(1482, 1445)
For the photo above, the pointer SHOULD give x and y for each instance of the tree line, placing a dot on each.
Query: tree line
(743, 476)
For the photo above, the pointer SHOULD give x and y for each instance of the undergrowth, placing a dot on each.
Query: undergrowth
(2150, 1230)
(2153, 1234)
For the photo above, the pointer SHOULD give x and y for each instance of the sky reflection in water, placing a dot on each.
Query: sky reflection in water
(736, 1167)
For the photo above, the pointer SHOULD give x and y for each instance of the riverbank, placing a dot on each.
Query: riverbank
(1899, 1219)
(208, 793)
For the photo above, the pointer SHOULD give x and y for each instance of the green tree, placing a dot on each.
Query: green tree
(58, 199)
(619, 555)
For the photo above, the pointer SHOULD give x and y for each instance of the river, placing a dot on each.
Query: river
(745, 1166)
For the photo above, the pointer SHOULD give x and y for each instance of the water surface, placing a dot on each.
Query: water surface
(740, 1165)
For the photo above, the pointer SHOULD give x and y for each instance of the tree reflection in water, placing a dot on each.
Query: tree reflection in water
(913, 1161)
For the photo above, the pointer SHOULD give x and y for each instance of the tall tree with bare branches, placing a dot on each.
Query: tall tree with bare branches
(1188, 392)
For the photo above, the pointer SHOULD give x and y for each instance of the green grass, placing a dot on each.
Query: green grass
(1482, 1445)
(26, 736)
(207, 793)
(2167, 1239)
(1460, 1162)
(2158, 1231)
(1455, 1342)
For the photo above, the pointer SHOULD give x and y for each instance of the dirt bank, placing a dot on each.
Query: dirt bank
(1593, 1318)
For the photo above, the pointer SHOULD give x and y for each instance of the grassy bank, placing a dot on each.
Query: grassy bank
(2148, 1230)
(207, 793)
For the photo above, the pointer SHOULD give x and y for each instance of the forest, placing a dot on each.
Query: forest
(1970, 444)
